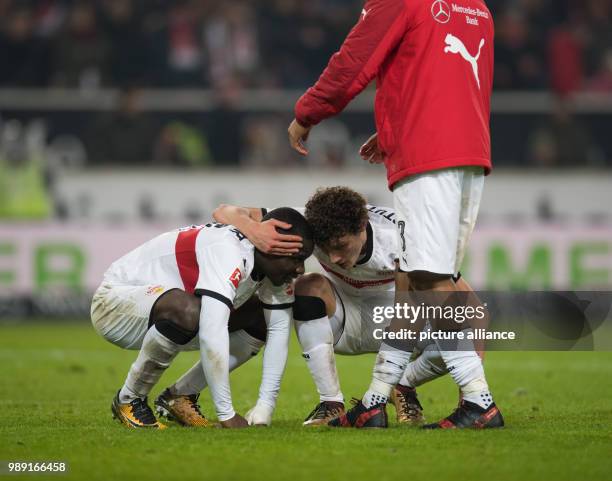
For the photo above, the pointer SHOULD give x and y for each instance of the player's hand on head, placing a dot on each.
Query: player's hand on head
(236, 422)
(371, 152)
(267, 239)
(260, 415)
(298, 134)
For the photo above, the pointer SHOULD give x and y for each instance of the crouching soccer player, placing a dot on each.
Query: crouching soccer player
(356, 246)
(176, 292)
(476, 408)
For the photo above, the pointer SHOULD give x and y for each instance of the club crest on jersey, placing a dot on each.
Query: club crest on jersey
(440, 11)
(236, 277)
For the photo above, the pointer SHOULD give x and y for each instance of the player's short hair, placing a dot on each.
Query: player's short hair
(299, 226)
(334, 212)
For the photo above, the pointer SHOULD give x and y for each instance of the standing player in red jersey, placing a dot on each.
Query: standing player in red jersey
(433, 63)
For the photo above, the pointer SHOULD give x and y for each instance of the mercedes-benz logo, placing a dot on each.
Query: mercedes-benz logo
(440, 11)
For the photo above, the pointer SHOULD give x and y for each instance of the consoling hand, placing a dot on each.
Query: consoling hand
(266, 238)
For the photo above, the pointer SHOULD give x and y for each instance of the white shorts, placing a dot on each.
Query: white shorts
(120, 314)
(353, 323)
(436, 213)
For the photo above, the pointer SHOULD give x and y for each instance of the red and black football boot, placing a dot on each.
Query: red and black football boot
(360, 416)
(470, 415)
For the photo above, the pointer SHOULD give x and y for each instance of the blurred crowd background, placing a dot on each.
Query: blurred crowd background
(565, 45)
(120, 119)
(96, 85)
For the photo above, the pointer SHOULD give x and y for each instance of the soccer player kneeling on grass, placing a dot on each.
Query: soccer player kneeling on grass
(356, 247)
(177, 292)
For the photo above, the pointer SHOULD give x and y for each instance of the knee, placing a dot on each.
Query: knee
(313, 284)
(309, 297)
(180, 309)
(190, 314)
(314, 298)
(424, 280)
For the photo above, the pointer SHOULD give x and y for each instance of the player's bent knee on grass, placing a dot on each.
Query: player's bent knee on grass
(314, 286)
(177, 315)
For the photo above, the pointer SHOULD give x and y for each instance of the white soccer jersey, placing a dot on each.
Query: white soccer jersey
(375, 271)
(213, 259)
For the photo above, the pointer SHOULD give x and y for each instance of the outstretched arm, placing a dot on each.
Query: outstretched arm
(214, 355)
(278, 320)
(264, 235)
(381, 27)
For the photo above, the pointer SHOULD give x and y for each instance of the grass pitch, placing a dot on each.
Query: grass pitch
(58, 381)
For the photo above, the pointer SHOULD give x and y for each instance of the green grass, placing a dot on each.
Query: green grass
(58, 381)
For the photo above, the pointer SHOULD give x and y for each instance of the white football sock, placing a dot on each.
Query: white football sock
(427, 367)
(243, 347)
(156, 354)
(465, 367)
(317, 339)
(388, 369)
(321, 362)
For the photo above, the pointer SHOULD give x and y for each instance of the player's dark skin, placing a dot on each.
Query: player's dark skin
(183, 309)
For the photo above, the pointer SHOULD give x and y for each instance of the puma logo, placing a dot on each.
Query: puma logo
(364, 13)
(455, 45)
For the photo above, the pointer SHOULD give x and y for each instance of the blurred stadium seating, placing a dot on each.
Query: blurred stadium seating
(104, 72)
(126, 117)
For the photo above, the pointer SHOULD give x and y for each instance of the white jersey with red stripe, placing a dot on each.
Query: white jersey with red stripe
(375, 271)
(212, 259)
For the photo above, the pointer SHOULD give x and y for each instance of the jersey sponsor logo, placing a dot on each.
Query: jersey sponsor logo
(358, 283)
(441, 12)
(236, 277)
(474, 12)
(153, 290)
(456, 46)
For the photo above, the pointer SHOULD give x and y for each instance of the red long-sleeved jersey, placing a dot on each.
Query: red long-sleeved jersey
(433, 61)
